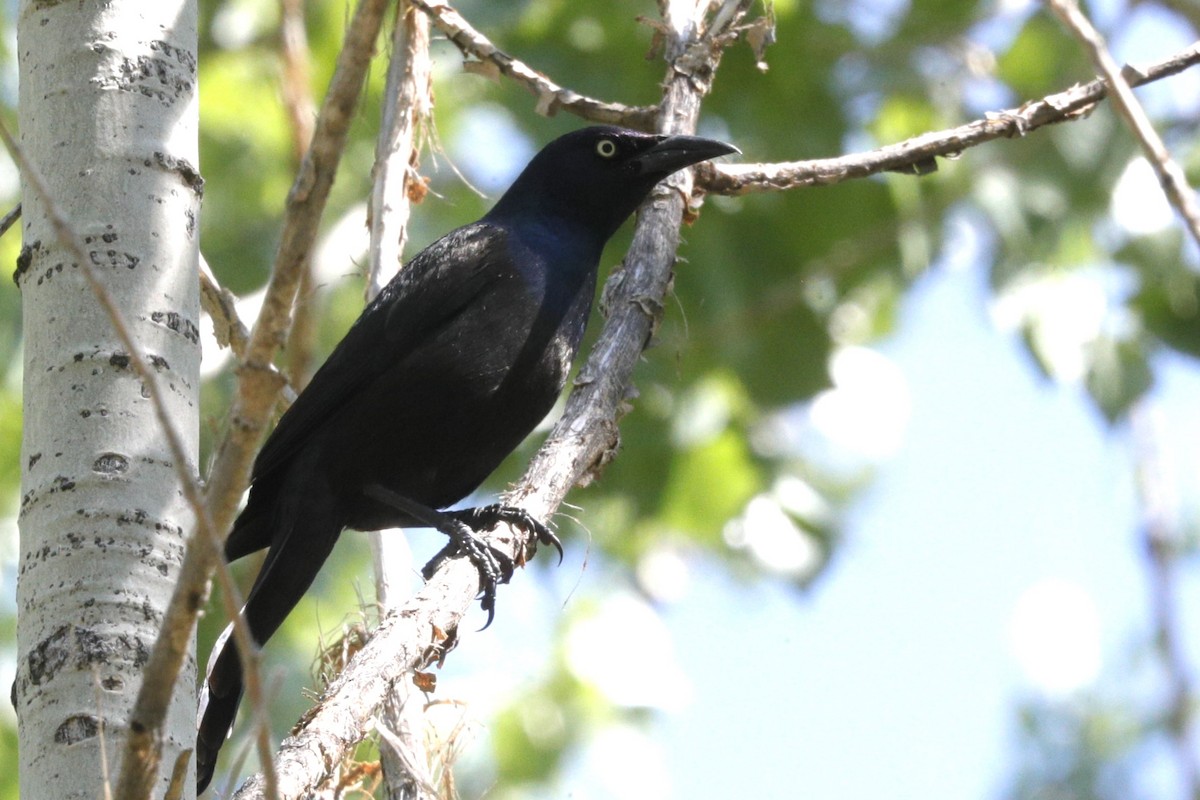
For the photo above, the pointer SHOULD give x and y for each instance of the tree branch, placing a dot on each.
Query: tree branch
(259, 383)
(258, 390)
(1170, 174)
(550, 96)
(407, 106)
(406, 640)
(294, 55)
(301, 111)
(586, 437)
(221, 306)
(918, 154)
(10, 219)
(1159, 536)
(396, 185)
(143, 747)
(425, 627)
(1162, 544)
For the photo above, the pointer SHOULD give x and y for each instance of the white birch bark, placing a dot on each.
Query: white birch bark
(108, 116)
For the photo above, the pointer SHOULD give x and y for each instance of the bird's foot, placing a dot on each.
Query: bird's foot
(495, 566)
(485, 517)
(462, 527)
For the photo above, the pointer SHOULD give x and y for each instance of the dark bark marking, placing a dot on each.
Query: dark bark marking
(78, 728)
(111, 464)
(25, 259)
(179, 324)
(49, 656)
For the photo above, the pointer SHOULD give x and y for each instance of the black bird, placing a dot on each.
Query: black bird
(443, 375)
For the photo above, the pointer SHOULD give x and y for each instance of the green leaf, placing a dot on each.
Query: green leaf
(1040, 58)
(1171, 311)
(1168, 301)
(1117, 376)
(708, 485)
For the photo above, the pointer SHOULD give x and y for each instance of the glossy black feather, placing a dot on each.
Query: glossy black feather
(442, 376)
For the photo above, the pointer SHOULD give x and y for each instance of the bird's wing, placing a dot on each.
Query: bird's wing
(433, 289)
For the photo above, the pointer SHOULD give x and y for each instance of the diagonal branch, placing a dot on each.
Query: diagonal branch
(1159, 534)
(142, 754)
(301, 111)
(259, 383)
(1164, 546)
(586, 436)
(424, 628)
(550, 96)
(396, 186)
(221, 306)
(918, 154)
(1170, 174)
(258, 390)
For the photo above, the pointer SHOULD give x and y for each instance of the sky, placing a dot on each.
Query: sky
(896, 676)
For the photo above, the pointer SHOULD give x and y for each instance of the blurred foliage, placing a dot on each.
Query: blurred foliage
(1102, 743)
(770, 286)
(1075, 749)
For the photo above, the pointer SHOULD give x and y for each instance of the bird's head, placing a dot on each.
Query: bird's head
(594, 178)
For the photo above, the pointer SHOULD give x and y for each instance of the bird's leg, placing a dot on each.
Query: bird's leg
(495, 567)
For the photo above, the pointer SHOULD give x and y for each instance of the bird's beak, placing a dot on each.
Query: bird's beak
(674, 153)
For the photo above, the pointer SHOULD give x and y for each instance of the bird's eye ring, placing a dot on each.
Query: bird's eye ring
(606, 148)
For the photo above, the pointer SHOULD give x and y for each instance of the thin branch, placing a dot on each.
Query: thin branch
(221, 306)
(143, 751)
(1161, 543)
(301, 111)
(259, 383)
(1170, 174)
(407, 106)
(294, 56)
(396, 184)
(918, 155)
(1160, 539)
(551, 97)
(424, 628)
(10, 219)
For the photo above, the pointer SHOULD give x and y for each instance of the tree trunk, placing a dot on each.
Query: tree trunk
(108, 118)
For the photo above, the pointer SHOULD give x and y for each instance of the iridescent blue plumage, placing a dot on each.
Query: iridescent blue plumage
(442, 376)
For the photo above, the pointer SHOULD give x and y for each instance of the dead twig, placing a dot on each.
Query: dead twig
(1170, 174)
(919, 154)
(551, 97)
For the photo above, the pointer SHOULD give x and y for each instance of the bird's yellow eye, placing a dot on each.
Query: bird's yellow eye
(606, 148)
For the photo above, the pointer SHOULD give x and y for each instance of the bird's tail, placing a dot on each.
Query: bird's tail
(306, 530)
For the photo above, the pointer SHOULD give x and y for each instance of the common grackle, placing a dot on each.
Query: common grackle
(443, 375)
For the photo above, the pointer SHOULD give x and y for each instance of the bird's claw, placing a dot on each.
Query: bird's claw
(495, 566)
(485, 517)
